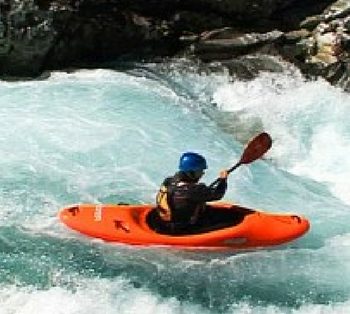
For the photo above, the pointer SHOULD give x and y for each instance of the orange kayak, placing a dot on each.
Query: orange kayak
(225, 226)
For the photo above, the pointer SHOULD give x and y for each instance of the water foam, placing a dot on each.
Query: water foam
(91, 297)
(103, 296)
(84, 142)
(307, 121)
(104, 136)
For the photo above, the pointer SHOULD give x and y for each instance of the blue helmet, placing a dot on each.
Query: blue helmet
(192, 162)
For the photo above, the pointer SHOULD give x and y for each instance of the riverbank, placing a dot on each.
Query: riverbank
(40, 36)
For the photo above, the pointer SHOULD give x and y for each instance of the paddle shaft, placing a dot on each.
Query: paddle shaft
(228, 172)
(255, 148)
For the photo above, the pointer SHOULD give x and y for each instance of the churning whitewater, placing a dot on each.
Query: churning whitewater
(103, 136)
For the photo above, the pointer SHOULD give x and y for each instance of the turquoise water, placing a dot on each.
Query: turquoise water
(110, 136)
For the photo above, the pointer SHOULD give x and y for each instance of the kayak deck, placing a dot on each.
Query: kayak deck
(224, 226)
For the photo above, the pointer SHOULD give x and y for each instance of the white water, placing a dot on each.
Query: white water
(104, 136)
(308, 120)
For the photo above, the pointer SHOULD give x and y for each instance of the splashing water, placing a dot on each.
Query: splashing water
(106, 136)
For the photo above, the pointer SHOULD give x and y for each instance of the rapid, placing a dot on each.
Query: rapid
(104, 136)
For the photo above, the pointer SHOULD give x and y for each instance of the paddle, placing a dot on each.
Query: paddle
(255, 148)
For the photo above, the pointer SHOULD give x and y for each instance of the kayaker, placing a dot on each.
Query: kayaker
(181, 200)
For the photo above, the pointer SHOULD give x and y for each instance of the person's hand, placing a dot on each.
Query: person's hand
(223, 174)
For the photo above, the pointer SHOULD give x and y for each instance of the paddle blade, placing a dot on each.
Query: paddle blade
(256, 148)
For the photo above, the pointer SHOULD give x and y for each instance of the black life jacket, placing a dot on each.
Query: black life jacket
(174, 202)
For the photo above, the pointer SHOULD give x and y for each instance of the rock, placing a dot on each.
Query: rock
(29, 37)
(241, 9)
(327, 48)
(189, 38)
(339, 9)
(344, 79)
(223, 33)
(345, 42)
(39, 35)
(311, 22)
(231, 44)
(248, 67)
(300, 51)
(59, 34)
(197, 22)
(347, 24)
(296, 36)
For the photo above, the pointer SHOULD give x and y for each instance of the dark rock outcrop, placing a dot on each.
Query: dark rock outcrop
(40, 35)
(325, 51)
(228, 43)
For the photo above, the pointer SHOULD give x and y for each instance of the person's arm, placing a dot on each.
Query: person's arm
(205, 193)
